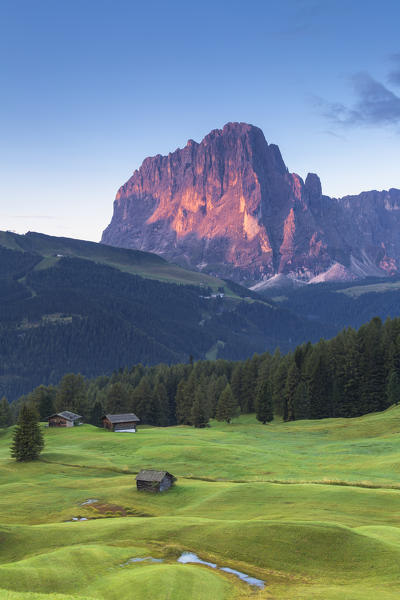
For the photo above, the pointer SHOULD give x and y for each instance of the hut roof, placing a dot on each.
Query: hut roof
(66, 414)
(125, 418)
(150, 475)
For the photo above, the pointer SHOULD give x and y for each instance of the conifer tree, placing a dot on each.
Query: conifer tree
(142, 399)
(5, 413)
(393, 388)
(227, 408)
(236, 382)
(71, 394)
(199, 412)
(162, 402)
(96, 413)
(301, 401)
(180, 402)
(118, 398)
(28, 438)
(278, 388)
(184, 399)
(43, 399)
(264, 402)
(292, 382)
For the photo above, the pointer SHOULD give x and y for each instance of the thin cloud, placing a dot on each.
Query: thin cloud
(375, 105)
(304, 18)
(335, 135)
(28, 216)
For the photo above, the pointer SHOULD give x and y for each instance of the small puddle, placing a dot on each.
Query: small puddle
(90, 501)
(190, 557)
(250, 580)
(140, 559)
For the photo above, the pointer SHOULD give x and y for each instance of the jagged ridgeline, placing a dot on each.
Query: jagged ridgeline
(73, 306)
(229, 206)
(355, 373)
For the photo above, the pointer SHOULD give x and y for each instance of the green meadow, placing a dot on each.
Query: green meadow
(310, 507)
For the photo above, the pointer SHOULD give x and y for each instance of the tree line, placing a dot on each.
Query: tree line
(355, 373)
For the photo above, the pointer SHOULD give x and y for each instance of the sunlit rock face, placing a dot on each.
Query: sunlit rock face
(228, 205)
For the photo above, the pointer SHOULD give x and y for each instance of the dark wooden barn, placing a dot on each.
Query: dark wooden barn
(64, 419)
(154, 481)
(121, 423)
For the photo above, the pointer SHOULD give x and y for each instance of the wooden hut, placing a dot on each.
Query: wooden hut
(121, 423)
(154, 481)
(64, 419)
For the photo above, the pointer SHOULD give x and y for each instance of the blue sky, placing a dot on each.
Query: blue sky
(90, 88)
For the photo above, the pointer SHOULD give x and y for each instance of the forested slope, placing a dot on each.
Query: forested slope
(60, 313)
(355, 373)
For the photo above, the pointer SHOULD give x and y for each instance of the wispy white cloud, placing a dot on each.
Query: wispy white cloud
(375, 104)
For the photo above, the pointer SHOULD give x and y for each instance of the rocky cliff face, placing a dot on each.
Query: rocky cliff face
(229, 206)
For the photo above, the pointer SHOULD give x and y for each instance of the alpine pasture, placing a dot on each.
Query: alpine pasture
(310, 507)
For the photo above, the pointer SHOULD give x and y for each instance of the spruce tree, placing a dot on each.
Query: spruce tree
(227, 408)
(142, 399)
(72, 394)
(43, 399)
(278, 388)
(292, 382)
(393, 388)
(119, 398)
(264, 402)
(301, 401)
(199, 412)
(236, 381)
(180, 402)
(96, 413)
(28, 438)
(5, 413)
(162, 402)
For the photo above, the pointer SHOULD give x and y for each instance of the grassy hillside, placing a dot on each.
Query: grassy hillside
(310, 507)
(145, 264)
(68, 305)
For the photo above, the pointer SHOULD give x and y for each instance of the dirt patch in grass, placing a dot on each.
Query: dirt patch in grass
(102, 509)
(112, 510)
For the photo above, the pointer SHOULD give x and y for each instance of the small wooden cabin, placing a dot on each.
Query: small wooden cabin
(121, 423)
(154, 481)
(64, 419)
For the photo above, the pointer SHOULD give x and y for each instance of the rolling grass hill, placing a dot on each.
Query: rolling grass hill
(310, 507)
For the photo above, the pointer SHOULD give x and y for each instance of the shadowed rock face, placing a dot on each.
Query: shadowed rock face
(229, 206)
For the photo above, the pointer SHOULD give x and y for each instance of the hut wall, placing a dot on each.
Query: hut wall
(148, 486)
(129, 425)
(108, 425)
(165, 483)
(59, 422)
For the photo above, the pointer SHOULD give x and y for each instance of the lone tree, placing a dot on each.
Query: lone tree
(264, 402)
(228, 407)
(28, 438)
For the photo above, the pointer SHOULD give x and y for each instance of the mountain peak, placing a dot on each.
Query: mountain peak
(229, 205)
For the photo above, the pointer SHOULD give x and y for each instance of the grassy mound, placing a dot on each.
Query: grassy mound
(311, 508)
